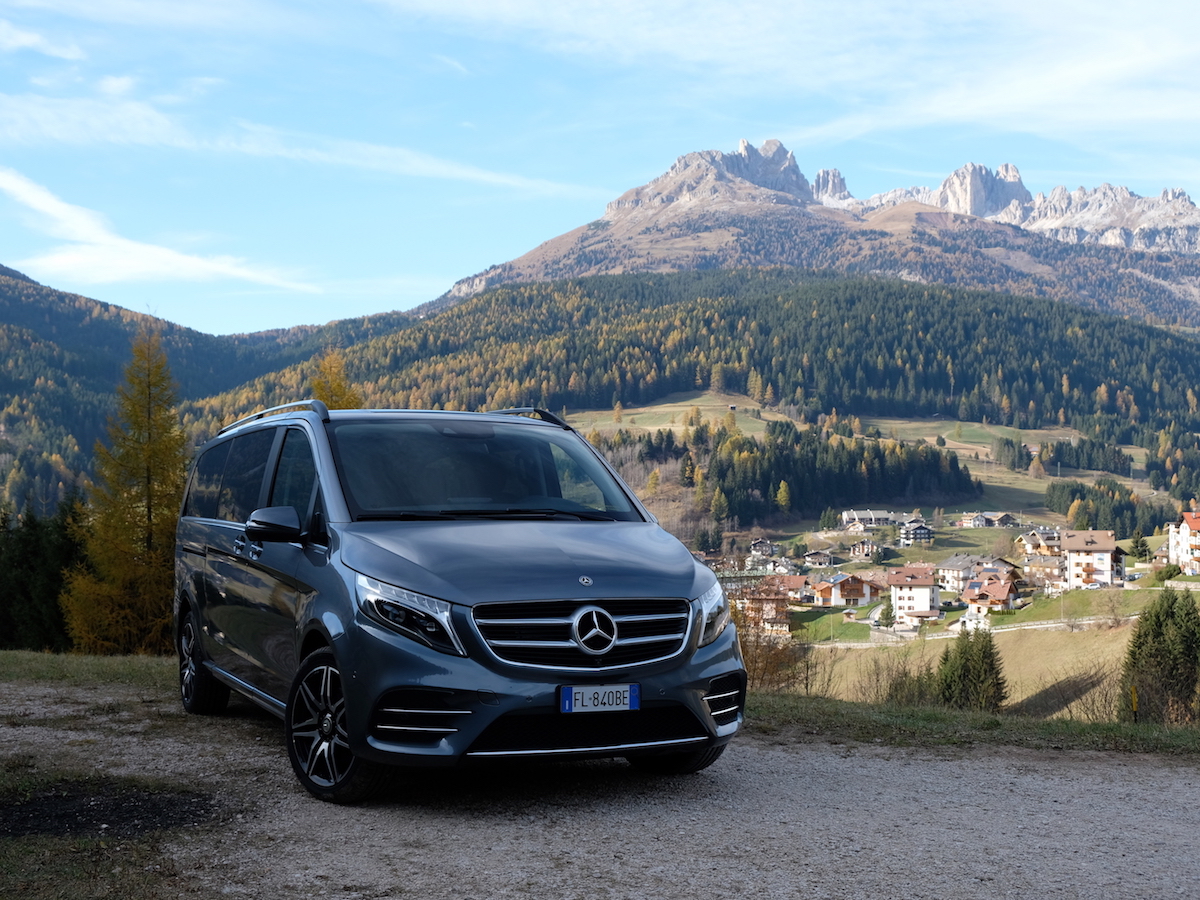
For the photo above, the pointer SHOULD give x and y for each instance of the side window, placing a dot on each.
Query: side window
(296, 474)
(206, 482)
(242, 485)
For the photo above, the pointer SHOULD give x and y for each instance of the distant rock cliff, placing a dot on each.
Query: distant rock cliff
(755, 207)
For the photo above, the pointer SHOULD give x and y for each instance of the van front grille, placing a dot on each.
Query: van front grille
(544, 633)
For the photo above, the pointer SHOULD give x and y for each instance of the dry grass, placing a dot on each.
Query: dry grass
(1049, 673)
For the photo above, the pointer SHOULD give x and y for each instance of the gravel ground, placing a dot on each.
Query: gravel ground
(811, 820)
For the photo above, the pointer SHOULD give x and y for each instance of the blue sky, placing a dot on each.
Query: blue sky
(239, 165)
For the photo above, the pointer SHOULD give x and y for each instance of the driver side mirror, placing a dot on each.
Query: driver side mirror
(274, 523)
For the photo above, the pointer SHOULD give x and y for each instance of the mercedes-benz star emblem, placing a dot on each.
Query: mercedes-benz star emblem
(594, 630)
(585, 580)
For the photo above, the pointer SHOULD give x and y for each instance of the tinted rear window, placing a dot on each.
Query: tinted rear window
(206, 482)
(241, 486)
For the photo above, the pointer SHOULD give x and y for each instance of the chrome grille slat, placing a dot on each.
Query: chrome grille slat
(414, 729)
(538, 633)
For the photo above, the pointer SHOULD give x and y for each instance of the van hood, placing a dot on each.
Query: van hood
(474, 561)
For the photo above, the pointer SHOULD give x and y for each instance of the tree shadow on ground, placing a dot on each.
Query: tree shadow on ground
(1059, 696)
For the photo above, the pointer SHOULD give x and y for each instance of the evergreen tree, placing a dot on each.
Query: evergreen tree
(887, 615)
(720, 506)
(331, 386)
(829, 519)
(34, 553)
(119, 600)
(970, 674)
(1139, 549)
(1163, 659)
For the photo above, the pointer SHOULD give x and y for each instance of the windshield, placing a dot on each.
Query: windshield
(434, 468)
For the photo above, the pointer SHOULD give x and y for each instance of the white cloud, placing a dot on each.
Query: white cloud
(116, 85)
(13, 38)
(113, 119)
(257, 140)
(33, 119)
(94, 254)
(1064, 69)
(220, 14)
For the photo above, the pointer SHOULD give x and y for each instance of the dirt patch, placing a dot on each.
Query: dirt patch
(102, 807)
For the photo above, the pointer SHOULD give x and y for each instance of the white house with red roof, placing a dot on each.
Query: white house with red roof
(915, 594)
(1183, 543)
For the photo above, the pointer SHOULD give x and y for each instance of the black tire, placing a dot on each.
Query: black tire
(201, 693)
(317, 740)
(677, 763)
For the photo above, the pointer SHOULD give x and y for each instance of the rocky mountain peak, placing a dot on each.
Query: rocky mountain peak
(829, 188)
(768, 174)
(976, 190)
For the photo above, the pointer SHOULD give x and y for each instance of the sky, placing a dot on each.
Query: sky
(241, 165)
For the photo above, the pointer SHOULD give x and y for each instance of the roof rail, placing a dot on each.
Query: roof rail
(543, 414)
(315, 405)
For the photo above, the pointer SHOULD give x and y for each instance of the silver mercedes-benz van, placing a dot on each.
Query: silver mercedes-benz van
(416, 588)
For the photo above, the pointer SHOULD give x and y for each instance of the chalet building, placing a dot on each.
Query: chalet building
(956, 571)
(988, 595)
(864, 549)
(1039, 542)
(1093, 557)
(914, 531)
(763, 548)
(764, 609)
(818, 558)
(845, 590)
(794, 587)
(869, 518)
(915, 594)
(1001, 520)
(1045, 571)
(1183, 543)
(987, 520)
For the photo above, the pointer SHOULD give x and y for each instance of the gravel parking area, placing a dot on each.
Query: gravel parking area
(811, 820)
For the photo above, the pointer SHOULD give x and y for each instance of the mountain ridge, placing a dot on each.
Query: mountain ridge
(692, 216)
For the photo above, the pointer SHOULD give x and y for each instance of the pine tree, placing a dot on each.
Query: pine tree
(887, 615)
(1139, 549)
(970, 674)
(720, 506)
(119, 600)
(331, 386)
(1163, 659)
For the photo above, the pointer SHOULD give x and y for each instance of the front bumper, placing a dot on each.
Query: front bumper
(408, 705)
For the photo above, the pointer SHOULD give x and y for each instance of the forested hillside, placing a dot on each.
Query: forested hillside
(807, 342)
(912, 242)
(63, 355)
(804, 342)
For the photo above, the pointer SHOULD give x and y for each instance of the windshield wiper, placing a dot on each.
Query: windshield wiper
(404, 516)
(527, 513)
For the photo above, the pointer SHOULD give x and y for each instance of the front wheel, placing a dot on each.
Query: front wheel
(684, 763)
(317, 738)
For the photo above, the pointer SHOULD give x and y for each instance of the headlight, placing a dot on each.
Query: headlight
(421, 618)
(714, 613)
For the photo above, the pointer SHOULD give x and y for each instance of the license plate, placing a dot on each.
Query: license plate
(598, 697)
